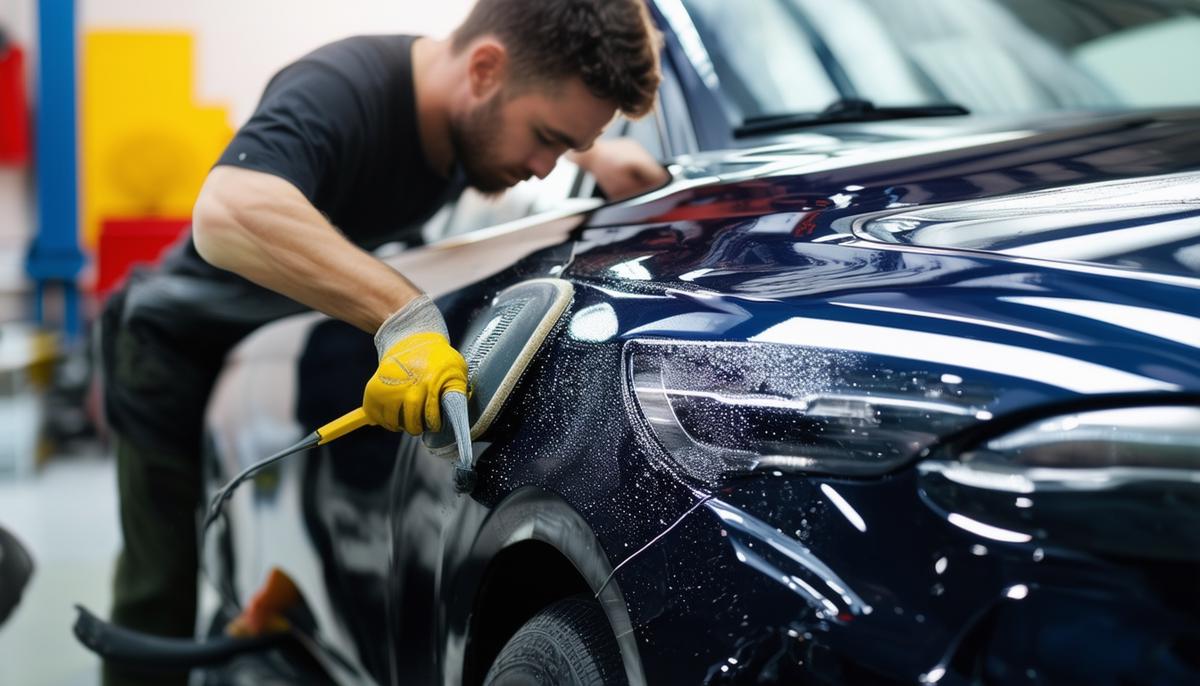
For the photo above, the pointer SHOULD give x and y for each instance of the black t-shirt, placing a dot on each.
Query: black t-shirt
(341, 125)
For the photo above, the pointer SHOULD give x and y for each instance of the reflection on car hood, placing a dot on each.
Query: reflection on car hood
(1072, 188)
(1150, 223)
(798, 250)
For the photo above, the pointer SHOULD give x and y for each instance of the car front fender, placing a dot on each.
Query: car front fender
(527, 516)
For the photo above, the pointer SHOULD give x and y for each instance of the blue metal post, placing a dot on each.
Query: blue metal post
(54, 255)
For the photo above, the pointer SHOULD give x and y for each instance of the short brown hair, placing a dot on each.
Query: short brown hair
(610, 44)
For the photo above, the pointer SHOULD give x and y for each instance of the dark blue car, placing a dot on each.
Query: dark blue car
(897, 382)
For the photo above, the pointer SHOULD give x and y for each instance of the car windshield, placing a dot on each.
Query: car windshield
(779, 57)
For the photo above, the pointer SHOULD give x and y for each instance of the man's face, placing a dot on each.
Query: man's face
(507, 139)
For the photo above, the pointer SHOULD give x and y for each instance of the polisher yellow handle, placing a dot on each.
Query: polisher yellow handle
(342, 426)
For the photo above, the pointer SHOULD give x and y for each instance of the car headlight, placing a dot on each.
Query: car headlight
(1120, 481)
(735, 407)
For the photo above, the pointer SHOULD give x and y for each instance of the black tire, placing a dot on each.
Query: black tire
(16, 566)
(567, 644)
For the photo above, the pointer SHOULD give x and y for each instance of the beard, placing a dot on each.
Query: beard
(475, 138)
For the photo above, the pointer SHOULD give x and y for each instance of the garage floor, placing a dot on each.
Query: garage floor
(67, 515)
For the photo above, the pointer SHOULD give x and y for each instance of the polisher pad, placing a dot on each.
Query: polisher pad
(500, 344)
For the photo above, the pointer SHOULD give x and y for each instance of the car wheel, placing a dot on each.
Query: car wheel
(568, 643)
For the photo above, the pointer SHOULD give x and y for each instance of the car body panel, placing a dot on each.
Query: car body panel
(766, 256)
(838, 245)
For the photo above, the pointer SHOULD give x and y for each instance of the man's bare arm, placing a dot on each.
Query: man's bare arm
(262, 227)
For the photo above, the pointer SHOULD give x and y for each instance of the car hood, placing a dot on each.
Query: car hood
(1118, 190)
(1043, 263)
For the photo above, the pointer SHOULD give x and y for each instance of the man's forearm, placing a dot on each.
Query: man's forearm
(262, 228)
(622, 168)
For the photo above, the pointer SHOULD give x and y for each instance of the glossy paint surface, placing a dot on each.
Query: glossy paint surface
(769, 573)
(841, 259)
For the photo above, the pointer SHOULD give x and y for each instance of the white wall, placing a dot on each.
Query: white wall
(19, 17)
(241, 43)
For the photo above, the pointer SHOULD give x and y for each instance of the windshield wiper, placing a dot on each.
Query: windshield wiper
(845, 110)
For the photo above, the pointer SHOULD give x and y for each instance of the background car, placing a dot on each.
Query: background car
(896, 382)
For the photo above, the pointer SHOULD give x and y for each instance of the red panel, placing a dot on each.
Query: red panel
(127, 242)
(14, 107)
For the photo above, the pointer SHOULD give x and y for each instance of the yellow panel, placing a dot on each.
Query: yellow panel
(146, 146)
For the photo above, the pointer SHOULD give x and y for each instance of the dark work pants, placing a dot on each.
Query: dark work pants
(159, 361)
(154, 589)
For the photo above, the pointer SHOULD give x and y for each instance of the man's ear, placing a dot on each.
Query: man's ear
(487, 67)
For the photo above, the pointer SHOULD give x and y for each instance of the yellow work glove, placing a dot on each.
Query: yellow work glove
(416, 366)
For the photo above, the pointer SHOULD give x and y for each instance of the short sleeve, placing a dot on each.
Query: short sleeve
(309, 124)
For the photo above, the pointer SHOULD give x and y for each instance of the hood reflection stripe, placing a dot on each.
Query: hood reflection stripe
(1093, 268)
(957, 318)
(997, 358)
(1099, 245)
(1170, 326)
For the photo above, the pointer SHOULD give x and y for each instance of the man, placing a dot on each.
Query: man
(353, 146)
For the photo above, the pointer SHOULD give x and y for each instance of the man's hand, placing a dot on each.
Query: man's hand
(416, 366)
(407, 388)
(622, 168)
